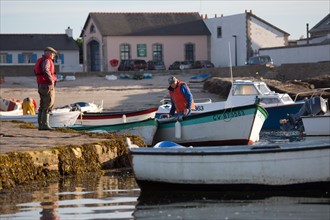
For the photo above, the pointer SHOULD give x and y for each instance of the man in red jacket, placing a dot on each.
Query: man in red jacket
(46, 79)
(182, 101)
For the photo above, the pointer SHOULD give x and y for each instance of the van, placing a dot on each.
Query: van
(261, 60)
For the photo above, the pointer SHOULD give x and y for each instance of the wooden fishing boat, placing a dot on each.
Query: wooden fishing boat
(146, 129)
(233, 126)
(291, 165)
(110, 118)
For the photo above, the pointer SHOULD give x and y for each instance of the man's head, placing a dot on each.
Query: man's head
(172, 81)
(50, 52)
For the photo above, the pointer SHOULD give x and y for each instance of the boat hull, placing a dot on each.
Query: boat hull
(276, 113)
(316, 125)
(56, 119)
(240, 125)
(233, 167)
(111, 118)
(146, 129)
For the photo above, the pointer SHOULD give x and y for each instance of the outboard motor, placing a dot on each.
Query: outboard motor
(313, 106)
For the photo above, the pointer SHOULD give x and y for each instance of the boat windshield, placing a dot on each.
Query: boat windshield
(264, 89)
(245, 90)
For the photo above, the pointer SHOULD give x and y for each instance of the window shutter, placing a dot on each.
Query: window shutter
(20, 58)
(34, 58)
(9, 58)
(62, 58)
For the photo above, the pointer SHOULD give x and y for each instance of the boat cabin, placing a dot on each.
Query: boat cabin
(246, 91)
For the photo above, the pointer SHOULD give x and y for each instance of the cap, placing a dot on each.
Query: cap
(50, 49)
(172, 79)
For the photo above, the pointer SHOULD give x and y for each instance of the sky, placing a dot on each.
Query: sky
(54, 16)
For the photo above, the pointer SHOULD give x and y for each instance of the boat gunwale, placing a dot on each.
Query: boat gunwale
(220, 111)
(201, 151)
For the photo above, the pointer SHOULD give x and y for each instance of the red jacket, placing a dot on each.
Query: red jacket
(42, 76)
(179, 99)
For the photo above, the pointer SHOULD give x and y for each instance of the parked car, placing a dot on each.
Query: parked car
(261, 60)
(180, 65)
(126, 65)
(203, 64)
(158, 65)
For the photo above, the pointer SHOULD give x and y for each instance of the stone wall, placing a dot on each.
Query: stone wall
(284, 72)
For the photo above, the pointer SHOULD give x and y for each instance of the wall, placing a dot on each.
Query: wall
(173, 47)
(251, 34)
(20, 70)
(298, 71)
(230, 25)
(262, 35)
(298, 54)
(71, 61)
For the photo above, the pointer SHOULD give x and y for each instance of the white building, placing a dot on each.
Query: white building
(241, 35)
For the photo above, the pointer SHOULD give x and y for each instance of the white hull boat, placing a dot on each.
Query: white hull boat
(317, 125)
(82, 107)
(313, 119)
(291, 165)
(56, 119)
(233, 126)
(146, 129)
(111, 118)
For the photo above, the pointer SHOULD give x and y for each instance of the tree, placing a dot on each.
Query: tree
(79, 42)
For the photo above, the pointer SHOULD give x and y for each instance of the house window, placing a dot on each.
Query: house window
(157, 52)
(219, 32)
(125, 51)
(92, 29)
(27, 57)
(189, 52)
(3, 58)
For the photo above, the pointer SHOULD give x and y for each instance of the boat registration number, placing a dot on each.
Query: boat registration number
(228, 115)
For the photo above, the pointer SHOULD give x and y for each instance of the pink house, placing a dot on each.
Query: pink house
(166, 37)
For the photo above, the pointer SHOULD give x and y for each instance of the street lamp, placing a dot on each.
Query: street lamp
(235, 36)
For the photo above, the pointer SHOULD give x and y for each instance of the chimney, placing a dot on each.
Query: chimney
(206, 16)
(68, 32)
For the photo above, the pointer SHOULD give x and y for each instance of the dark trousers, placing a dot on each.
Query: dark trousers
(47, 97)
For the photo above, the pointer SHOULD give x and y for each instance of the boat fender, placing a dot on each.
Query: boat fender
(124, 118)
(177, 130)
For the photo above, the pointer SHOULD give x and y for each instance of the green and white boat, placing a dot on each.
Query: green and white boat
(231, 126)
(145, 129)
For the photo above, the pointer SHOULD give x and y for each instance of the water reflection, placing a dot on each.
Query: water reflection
(310, 205)
(116, 196)
(112, 196)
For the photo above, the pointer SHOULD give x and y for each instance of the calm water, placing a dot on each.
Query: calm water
(116, 196)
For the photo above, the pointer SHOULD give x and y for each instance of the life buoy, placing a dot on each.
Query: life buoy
(114, 62)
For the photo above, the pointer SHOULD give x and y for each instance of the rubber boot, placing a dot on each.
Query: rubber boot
(39, 120)
(45, 121)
